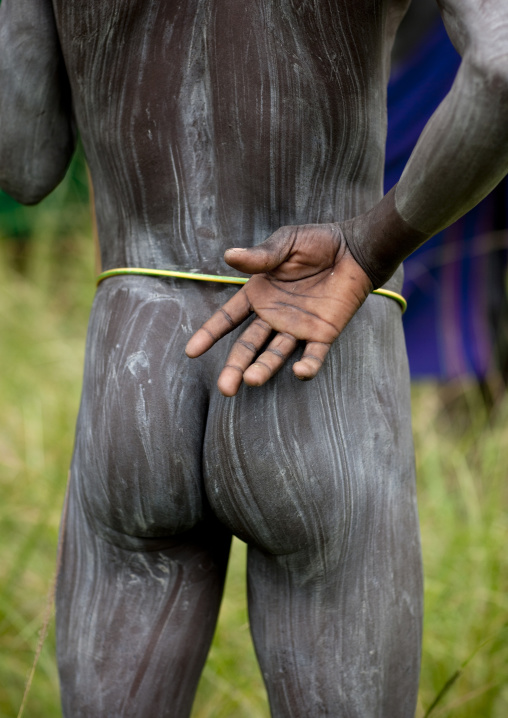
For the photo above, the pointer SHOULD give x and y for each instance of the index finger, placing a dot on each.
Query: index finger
(225, 319)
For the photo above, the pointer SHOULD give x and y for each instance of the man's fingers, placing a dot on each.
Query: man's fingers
(311, 361)
(242, 354)
(271, 360)
(229, 316)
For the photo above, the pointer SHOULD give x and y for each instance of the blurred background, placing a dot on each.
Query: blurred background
(456, 329)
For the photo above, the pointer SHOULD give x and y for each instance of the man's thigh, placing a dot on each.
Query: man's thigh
(143, 560)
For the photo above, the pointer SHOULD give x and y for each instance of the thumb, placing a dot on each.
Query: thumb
(263, 257)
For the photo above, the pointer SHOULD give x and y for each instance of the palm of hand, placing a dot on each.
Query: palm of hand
(306, 286)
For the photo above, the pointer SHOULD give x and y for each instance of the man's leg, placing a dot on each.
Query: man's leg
(343, 641)
(135, 623)
(318, 478)
(144, 559)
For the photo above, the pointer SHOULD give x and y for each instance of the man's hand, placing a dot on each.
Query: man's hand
(306, 286)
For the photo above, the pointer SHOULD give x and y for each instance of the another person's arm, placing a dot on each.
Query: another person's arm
(310, 280)
(37, 138)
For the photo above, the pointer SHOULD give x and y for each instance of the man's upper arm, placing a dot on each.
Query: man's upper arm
(36, 133)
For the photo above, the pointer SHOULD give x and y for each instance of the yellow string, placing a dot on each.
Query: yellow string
(216, 278)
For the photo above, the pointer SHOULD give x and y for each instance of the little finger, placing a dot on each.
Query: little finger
(312, 360)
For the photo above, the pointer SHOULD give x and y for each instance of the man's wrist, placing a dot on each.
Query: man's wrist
(380, 239)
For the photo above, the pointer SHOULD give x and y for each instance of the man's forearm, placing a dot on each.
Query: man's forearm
(462, 153)
(460, 157)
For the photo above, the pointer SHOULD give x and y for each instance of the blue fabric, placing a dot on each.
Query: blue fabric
(415, 90)
(447, 326)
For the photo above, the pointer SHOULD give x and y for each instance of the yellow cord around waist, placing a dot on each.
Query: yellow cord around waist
(216, 278)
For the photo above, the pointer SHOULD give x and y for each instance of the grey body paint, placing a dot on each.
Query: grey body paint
(207, 124)
(36, 128)
(165, 469)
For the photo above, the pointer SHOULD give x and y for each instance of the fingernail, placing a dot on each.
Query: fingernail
(237, 249)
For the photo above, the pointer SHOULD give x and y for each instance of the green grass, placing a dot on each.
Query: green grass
(462, 466)
(462, 470)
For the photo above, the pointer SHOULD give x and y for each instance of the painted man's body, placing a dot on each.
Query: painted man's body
(206, 125)
(230, 120)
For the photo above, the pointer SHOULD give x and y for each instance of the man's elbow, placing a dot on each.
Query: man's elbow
(24, 189)
(489, 72)
(28, 176)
